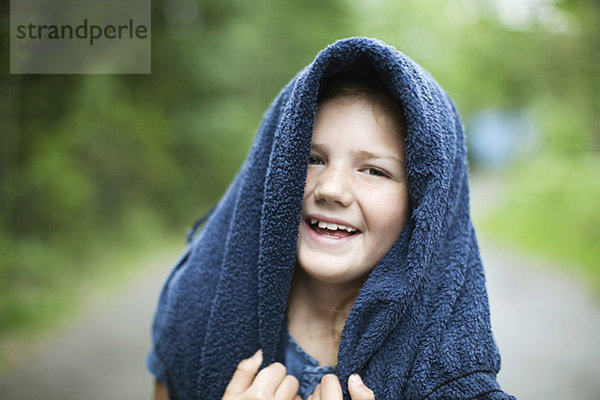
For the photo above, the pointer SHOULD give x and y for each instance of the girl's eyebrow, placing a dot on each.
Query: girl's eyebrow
(359, 153)
(368, 154)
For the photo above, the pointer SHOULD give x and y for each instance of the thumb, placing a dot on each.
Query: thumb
(244, 375)
(358, 390)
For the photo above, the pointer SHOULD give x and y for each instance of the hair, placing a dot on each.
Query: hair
(360, 81)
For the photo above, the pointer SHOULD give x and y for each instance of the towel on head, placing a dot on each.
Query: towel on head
(420, 326)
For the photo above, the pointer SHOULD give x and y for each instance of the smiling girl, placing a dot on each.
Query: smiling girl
(342, 256)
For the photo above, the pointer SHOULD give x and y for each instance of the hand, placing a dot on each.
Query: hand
(330, 389)
(270, 383)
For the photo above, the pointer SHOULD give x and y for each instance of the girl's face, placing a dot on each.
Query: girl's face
(356, 198)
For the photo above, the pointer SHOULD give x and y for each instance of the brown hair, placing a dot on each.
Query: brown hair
(360, 81)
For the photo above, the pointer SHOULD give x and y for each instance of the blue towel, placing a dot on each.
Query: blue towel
(420, 327)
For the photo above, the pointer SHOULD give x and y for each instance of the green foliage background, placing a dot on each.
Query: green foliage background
(94, 167)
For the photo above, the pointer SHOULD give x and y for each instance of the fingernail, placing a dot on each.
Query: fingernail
(355, 380)
(258, 354)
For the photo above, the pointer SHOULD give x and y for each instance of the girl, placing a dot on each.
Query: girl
(342, 255)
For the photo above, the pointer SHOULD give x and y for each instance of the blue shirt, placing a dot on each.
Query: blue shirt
(304, 367)
(298, 363)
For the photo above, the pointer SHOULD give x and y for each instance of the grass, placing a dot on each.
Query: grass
(552, 208)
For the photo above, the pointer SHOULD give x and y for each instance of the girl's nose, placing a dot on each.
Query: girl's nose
(333, 185)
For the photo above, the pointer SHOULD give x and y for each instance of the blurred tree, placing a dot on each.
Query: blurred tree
(86, 161)
(550, 61)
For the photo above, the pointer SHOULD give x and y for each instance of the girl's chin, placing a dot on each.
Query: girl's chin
(326, 273)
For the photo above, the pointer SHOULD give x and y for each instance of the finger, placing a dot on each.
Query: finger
(330, 388)
(288, 388)
(358, 390)
(268, 380)
(244, 375)
(316, 394)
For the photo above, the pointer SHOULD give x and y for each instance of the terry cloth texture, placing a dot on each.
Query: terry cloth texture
(420, 327)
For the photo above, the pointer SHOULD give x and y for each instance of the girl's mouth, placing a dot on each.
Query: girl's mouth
(330, 230)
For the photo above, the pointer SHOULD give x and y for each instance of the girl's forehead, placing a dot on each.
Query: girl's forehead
(357, 127)
(388, 115)
(354, 116)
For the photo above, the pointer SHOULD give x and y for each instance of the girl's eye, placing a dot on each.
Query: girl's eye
(314, 160)
(376, 172)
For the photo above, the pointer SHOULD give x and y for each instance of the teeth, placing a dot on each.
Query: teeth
(331, 226)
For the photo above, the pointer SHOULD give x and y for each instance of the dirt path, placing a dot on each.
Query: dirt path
(546, 326)
(101, 354)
